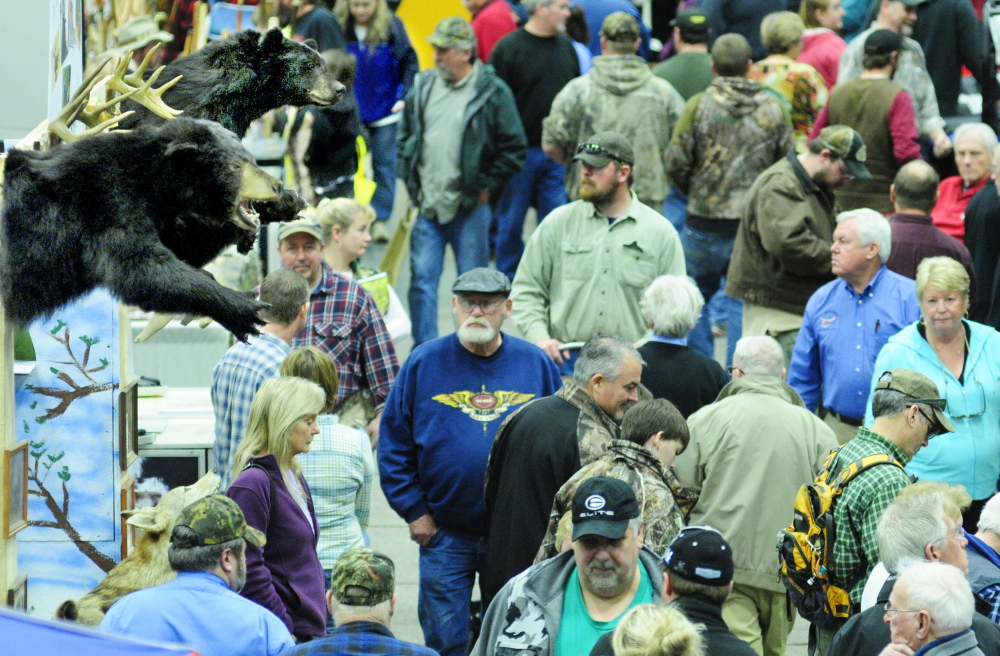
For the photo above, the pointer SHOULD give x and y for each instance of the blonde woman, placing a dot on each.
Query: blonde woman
(821, 42)
(346, 228)
(285, 575)
(799, 87)
(651, 630)
(962, 357)
(387, 65)
(339, 466)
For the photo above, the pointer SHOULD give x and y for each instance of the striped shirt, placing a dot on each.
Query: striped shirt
(235, 380)
(339, 469)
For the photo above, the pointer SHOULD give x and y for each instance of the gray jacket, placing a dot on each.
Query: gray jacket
(965, 644)
(523, 619)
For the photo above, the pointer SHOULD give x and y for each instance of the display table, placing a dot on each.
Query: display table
(179, 356)
(179, 444)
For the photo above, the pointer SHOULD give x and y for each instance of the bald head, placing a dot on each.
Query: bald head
(915, 189)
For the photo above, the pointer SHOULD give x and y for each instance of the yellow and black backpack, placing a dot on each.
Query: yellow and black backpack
(805, 549)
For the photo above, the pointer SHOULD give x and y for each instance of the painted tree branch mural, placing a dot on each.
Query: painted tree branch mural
(37, 475)
(82, 365)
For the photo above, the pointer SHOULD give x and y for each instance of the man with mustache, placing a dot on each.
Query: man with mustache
(565, 604)
(208, 552)
(448, 401)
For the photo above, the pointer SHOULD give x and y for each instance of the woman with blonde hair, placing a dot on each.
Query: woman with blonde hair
(651, 630)
(797, 85)
(345, 225)
(822, 45)
(387, 65)
(962, 358)
(339, 466)
(285, 575)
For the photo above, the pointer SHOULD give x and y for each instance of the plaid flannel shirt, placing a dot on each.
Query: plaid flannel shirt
(236, 378)
(344, 322)
(860, 506)
(360, 639)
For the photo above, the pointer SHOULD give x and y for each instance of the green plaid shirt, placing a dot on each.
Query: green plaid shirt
(857, 511)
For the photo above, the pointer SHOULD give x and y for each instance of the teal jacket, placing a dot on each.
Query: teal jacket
(971, 455)
(494, 147)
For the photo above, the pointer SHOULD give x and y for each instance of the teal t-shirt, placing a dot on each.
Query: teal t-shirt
(578, 632)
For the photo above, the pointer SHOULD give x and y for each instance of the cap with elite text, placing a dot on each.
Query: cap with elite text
(603, 506)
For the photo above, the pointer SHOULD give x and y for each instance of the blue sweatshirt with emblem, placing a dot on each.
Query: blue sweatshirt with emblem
(439, 422)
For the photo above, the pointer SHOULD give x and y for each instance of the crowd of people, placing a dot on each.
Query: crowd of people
(613, 487)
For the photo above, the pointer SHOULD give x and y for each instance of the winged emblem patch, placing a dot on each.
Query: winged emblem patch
(482, 405)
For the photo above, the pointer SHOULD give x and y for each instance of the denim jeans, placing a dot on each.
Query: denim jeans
(675, 209)
(468, 235)
(540, 184)
(383, 150)
(707, 257)
(448, 567)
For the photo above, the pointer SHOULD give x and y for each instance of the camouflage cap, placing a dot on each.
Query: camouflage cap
(848, 145)
(921, 388)
(450, 31)
(214, 520)
(620, 27)
(363, 577)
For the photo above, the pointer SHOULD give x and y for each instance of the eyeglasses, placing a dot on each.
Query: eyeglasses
(934, 429)
(486, 307)
(731, 369)
(889, 609)
(958, 534)
(982, 391)
(594, 149)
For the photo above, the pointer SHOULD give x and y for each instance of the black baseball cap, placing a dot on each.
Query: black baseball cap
(701, 555)
(691, 21)
(882, 42)
(603, 506)
(605, 147)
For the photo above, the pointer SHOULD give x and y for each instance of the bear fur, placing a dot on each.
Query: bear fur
(138, 213)
(236, 80)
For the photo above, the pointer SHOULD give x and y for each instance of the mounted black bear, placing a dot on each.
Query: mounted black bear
(236, 80)
(136, 212)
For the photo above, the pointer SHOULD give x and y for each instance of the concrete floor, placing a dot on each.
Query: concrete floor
(388, 532)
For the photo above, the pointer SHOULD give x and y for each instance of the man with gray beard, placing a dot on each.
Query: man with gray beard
(437, 429)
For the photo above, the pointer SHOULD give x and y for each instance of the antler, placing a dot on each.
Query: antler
(76, 109)
(142, 91)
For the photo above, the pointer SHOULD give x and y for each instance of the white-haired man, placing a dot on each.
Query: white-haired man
(974, 146)
(847, 321)
(757, 426)
(983, 241)
(929, 613)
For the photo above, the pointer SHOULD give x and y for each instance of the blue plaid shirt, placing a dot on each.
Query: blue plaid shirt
(360, 639)
(235, 379)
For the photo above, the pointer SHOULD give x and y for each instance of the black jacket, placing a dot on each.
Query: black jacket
(866, 634)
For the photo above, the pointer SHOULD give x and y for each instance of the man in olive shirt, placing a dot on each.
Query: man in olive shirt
(586, 266)
(690, 70)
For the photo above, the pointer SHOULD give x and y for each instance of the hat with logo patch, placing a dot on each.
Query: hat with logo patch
(482, 280)
(605, 147)
(691, 21)
(882, 42)
(921, 388)
(214, 520)
(308, 225)
(620, 27)
(847, 144)
(451, 31)
(363, 577)
(603, 506)
(701, 555)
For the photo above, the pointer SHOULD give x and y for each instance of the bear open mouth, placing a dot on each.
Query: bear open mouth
(245, 216)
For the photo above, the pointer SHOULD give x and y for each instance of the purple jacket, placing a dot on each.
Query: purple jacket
(285, 576)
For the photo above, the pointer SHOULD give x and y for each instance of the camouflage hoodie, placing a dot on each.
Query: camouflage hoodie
(725, 138)
(621, 94)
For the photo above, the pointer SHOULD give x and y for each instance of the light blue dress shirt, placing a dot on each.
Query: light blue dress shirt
(842, 334)
(199, 610)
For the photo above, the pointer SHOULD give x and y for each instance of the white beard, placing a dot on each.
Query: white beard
(477, 331)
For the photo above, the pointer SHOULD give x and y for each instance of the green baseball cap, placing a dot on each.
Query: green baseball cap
(921, 388)
(848, 145)
(451, 31)
(214, 520)
(363, 577)
(310, 226)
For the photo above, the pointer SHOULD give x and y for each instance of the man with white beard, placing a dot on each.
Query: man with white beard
(437, 428)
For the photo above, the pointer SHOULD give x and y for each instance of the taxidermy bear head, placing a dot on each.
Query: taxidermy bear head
(136, 212)
(236, 80)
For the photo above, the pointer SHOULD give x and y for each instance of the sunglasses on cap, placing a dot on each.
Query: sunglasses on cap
(594, 149)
